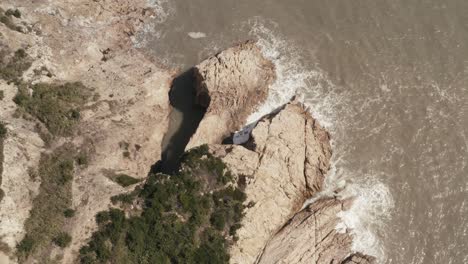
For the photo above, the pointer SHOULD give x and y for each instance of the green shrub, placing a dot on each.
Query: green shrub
(26, 245)
(62, 239)
(124, 180)
(3, 131)
(56, 106)
(16, 65)
(47, 216)
(82, 159)
(181, 221)
(2, 95)
(68, 213)
(126, 198)
(8, 22)
(13, 12)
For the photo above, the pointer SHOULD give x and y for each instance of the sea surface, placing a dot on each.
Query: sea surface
(388, 79)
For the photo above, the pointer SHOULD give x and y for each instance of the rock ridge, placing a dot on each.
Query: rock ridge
(231, 85)
(283, 168)
(283, 164)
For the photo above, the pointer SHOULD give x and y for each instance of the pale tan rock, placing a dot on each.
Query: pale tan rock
(310, 237)
(276, 174)
(91, 42)
(21, 151)
(232, 85)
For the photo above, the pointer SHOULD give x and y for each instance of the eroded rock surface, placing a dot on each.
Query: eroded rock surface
(90, 42)
(310, 237)
(290, 152)
(359, 258)
(231, 84)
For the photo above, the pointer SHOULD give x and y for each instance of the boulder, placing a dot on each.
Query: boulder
(230, 85)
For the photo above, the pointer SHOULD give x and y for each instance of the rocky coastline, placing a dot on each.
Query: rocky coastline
(119, 130)
(283, 164)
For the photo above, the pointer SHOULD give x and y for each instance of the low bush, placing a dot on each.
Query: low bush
(125, 198)
(62, 240)
(123, 180)
(48, 213)
(12, 68)
(68, 213)
(82, 159)
(56, 106)
(181, 221)
(13, 12)
(6, 20)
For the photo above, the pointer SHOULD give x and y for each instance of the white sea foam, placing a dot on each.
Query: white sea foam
(290, 76)
(367, 215)
(373, 200)
(163, 10)
(196, 35)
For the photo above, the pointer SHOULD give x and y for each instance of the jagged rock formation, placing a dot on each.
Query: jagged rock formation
(283, 164)
(231, 85)
(290, 154)
(310, 237)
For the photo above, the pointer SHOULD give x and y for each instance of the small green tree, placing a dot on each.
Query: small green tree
(26, 245)
(124, 180)
(68, 213)
(62, 240)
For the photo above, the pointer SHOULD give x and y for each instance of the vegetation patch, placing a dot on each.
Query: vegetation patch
(124, 198)
(13, 12)
(82, 159)
(62, 240)
(189, 217)
(123, 180)
(13, 67)
(69, 213)
(47, 218)
(57, 106)
(5, 18)
(2, 95)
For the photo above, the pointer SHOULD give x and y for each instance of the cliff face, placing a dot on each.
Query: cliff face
(90, 42)
(231, 85)
(289, 152)
(283, 164)
(310, 237)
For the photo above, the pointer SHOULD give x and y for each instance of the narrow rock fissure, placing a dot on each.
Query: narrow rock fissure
(184, 119)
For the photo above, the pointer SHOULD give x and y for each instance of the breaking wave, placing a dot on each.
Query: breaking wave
(366, 217)
(163, 10)
(373, 200)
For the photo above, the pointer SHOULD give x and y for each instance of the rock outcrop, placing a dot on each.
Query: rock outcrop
(231, 85)
(282, 165)
(290, 154)
(310, 237)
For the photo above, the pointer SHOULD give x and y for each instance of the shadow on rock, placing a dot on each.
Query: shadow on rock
(184, 120)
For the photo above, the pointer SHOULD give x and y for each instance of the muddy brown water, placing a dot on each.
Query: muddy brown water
(389, 79)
